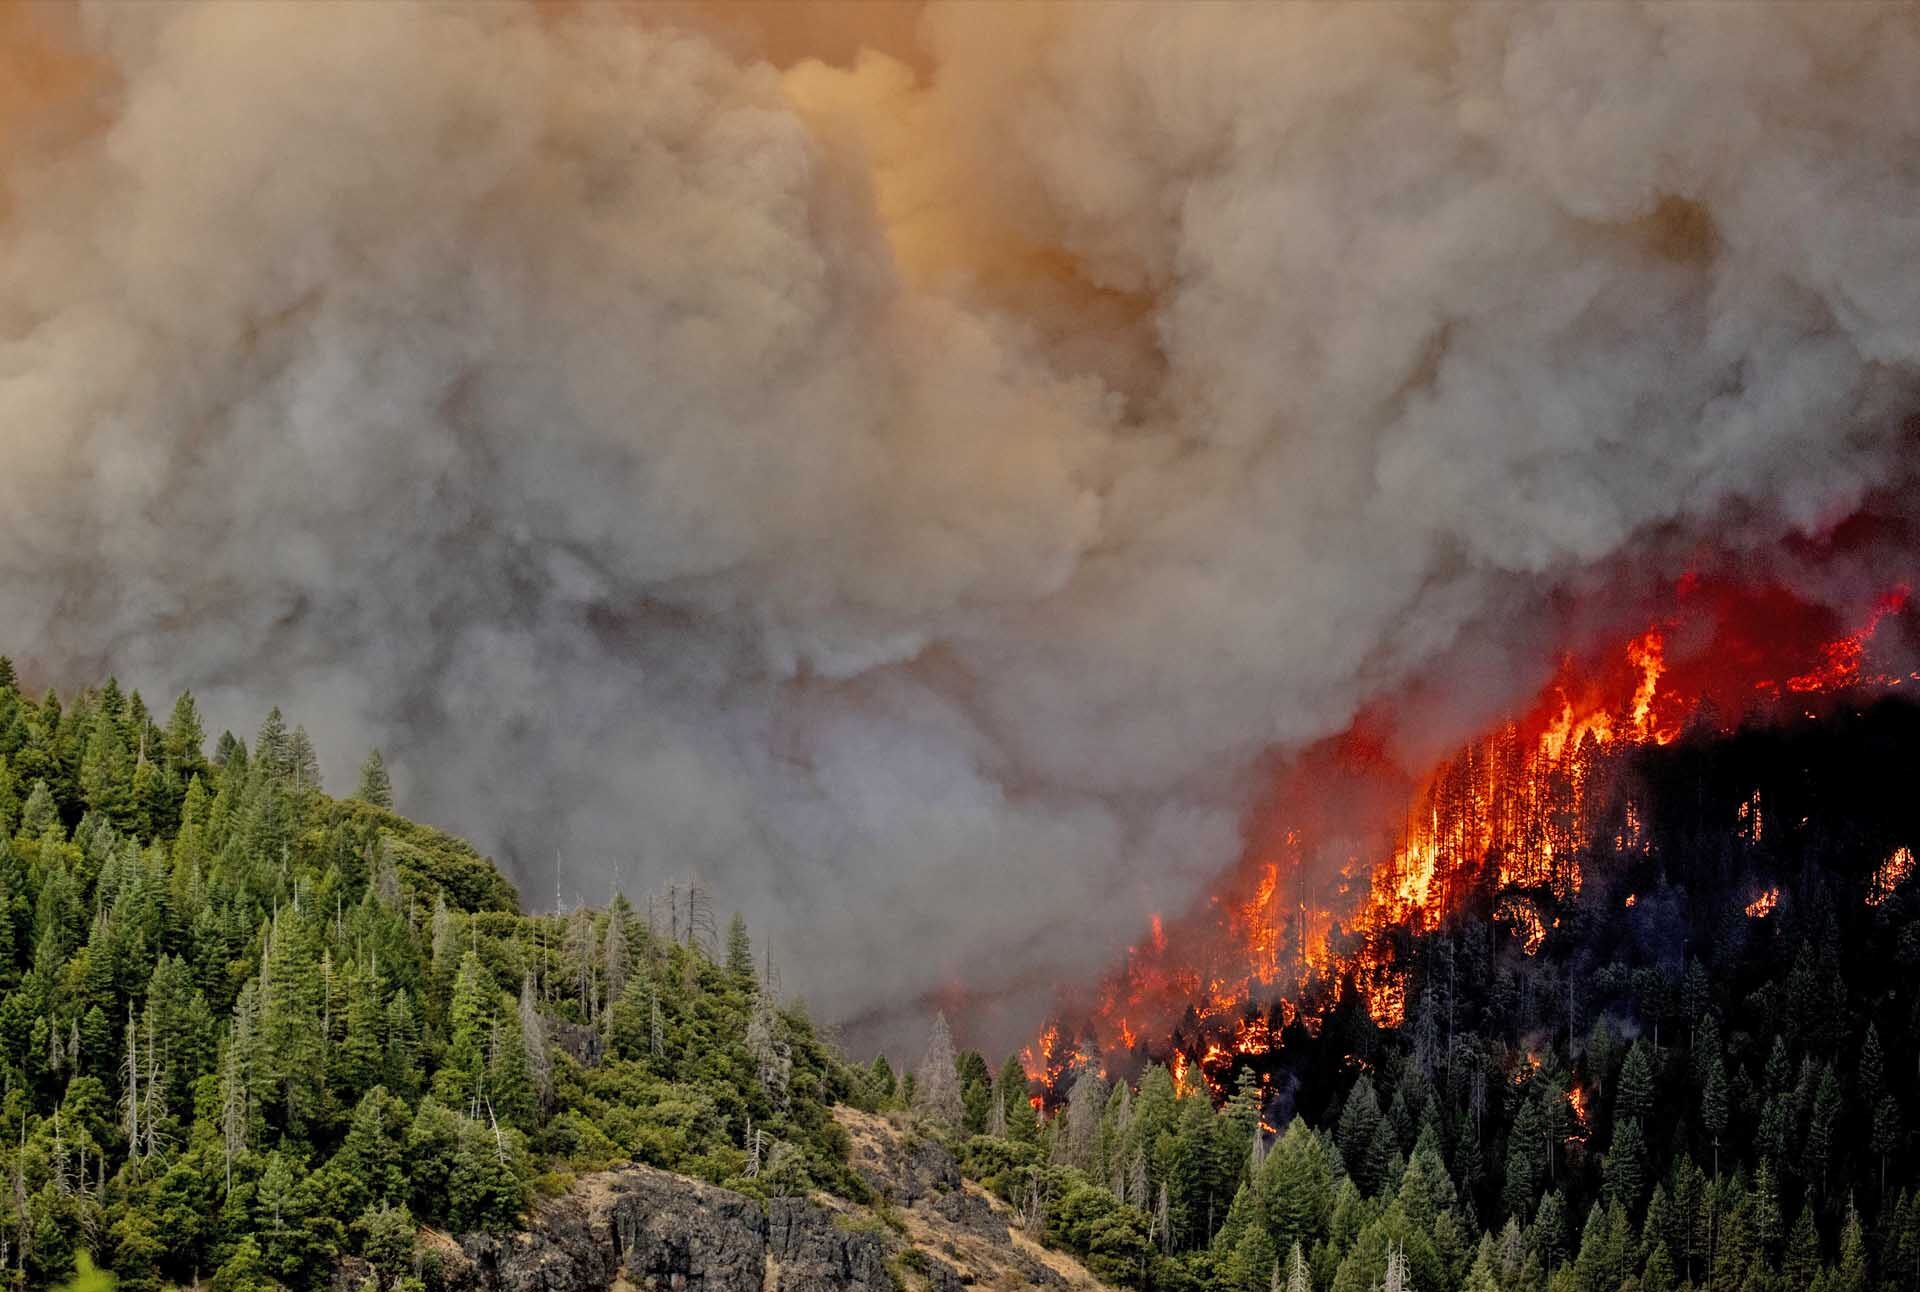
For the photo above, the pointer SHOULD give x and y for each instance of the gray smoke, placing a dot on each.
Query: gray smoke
(916, 499)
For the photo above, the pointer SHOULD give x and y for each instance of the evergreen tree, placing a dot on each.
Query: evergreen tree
(183, 743)
(375, 786)
(273, 748)
(40, 812)
(1713, 1105)
(1822, 1122)
(460, 1081)
(1802, 1261)
(1633, 1097)
(937, 1085)
(1011, 1087)
(302, 761)
(1358, 1133)
(1887, 1135)
(739, 950)
(1627, 1165)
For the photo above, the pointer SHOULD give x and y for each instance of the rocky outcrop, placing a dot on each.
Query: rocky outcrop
(810, 1256)
(660, 1232)
(640, 1230)
(903, 1169)
(969, 1213)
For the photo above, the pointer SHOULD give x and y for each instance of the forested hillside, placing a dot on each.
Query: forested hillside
(248, 1028)
(1701, 1075)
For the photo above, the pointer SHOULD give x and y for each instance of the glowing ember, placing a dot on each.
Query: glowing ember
(1891, 874)
(1762, 906)
(1632, 898)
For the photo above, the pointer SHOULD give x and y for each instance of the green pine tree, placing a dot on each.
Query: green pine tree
(375, 786)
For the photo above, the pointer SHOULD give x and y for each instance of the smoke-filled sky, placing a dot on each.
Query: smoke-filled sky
(911, 467)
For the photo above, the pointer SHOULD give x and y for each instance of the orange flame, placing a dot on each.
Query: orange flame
(1891, 874)
(1762, 906)
(1511, 813)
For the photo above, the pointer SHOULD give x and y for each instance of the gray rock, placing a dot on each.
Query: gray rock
(816, 1254)
(972, 1214)
(906, 1171)
(945, 1278)
(667, 1233)
(675, 1233)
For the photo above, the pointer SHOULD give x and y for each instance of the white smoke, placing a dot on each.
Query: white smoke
(915, 502)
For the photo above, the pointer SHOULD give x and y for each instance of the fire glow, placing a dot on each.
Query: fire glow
(1309, 917)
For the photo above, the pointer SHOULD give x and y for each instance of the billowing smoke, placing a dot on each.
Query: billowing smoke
(916, 492)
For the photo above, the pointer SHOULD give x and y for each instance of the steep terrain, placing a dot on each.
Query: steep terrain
(640, 1228)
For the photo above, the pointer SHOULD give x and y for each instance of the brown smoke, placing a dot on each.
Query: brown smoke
(913, 467)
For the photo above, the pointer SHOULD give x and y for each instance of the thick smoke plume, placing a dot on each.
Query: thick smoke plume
(917, 491)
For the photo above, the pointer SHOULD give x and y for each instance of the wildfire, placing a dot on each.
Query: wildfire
(1050, 1059)
(1891, 874)
(1295, 930)
(1577, 1103)
(1525, 919)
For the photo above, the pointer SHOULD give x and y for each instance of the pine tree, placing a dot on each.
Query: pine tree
(106, 768)
(1481, 1275)
(880, 1074)
(1627, 1165)
(739, 950)
(1851, 1275)
(1525, 1161)
(1358, 1131)
(1298, 1184)
(460, 1080)
(1713, 1105)
(303, 763)
(1298, 1278)
(1802, 1260)
(508, 1091)
(375, 787)
(1887, 1134)
(613, 953)
(1822, 1121)
(1633, 1098)
(40, 811)
(1550, 1227)
(1086, 1105)
(360, 1052)
(1011, 1087)
(184, 740)
(1657, 1275)
(936, 1094)
(1873, 1066)
(273, 748)
(533, 1035)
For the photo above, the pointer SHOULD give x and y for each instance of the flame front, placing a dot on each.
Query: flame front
(1313, 914)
